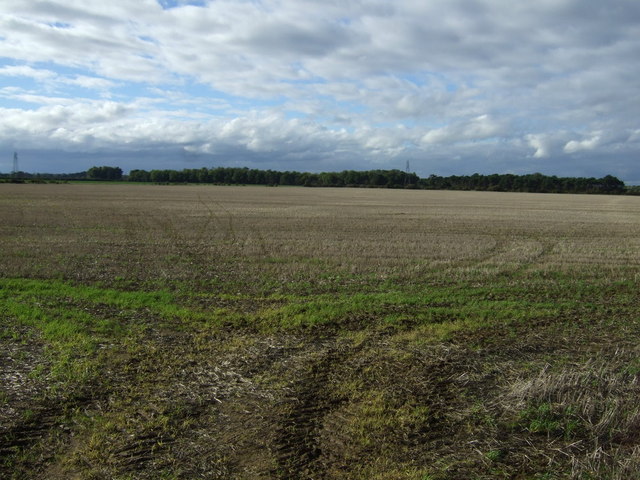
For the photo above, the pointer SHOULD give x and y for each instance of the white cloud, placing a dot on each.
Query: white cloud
(479, 128)
(93, 83)
(26, 71)
(542, 144)
(432, 81)
(573, 146)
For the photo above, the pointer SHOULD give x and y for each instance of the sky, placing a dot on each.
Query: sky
(451, 87)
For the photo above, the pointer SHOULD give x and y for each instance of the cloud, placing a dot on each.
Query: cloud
(51, 80)
(479, 128)
(445, 83)
(26, 71)
(540, 144)
(547, 145)
(92, 83)
(579, 145)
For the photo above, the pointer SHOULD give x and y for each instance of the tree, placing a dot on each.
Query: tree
(611, 184)
(159, 176)
(104, 173)
(139, 176)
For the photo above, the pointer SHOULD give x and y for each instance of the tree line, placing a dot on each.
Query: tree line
(535, 182)
(247, 176)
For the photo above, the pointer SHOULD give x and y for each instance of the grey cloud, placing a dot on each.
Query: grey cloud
(513, 86)
(282, 38)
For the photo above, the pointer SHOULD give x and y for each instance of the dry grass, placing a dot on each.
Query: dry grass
(250, 332)
(592, 406)
(99, 232)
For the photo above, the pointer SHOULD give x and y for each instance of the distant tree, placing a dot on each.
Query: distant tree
(159, 176)
(535, 182)
(611, 184)
(239, 176)
(104, 173)
(288, 178)
(139, 176)
(203, 176)
(377, 178)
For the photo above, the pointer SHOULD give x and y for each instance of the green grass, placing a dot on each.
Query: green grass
(68, 315)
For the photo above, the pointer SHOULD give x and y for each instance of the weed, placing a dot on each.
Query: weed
(494, 455)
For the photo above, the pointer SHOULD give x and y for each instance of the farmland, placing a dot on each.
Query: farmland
(270, 332)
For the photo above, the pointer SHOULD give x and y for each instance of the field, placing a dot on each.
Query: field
(160, 332)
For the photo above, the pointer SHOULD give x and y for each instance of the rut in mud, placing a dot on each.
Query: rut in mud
(239, 405)
(269, 407)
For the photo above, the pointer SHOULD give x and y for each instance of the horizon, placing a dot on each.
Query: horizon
(126, 173)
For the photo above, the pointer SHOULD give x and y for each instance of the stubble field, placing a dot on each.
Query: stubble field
(289, 333)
